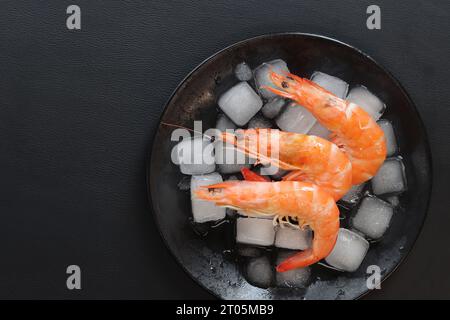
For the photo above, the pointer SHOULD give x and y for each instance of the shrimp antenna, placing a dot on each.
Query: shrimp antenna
(186, 128)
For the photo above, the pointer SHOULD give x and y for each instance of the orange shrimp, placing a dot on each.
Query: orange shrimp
(352, 128)
(306, 202)
(313, 159)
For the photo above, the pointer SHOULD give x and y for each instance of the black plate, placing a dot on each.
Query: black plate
(195, 99)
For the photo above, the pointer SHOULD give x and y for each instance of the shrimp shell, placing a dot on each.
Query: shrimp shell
(307, 203)
(311, 158)
(353, 130)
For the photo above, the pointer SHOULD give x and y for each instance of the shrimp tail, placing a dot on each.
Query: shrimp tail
(299, 260)
(325, 237)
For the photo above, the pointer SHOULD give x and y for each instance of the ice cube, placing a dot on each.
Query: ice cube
(229, 159)
(223, 123)
(393, 200)
(354, 194)
(293, 238)
(373, 217)
(390, 178)
(295, 118)
(271, 170)
(259, 272)
(262, 76)
(255, 231)
(240, 103)
(333, 84)
(259, 122)
(202, 210)
(319, 130)
(273, 107)
(296, 278)
(195, 156)
(265, 170)
(249, 251)
(243, 72)
(391, 141)
(348, 252)
(368, 101)
(279, 174)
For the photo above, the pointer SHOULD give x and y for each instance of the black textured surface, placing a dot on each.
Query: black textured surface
(78, 110)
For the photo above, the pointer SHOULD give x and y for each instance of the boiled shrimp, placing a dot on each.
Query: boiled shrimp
(311, 159)
(353, 130)
(306, 202)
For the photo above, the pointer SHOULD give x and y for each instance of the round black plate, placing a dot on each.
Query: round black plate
(195, 99)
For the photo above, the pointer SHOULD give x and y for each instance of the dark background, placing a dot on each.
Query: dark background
(78, 110)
